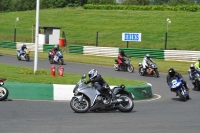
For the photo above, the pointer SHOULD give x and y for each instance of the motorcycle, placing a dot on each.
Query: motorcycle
(197, 81)
(3, 91)
(24, 56)
(176, 86)
(152, 70)
(57, 59)
(126, 65)
(88, 98)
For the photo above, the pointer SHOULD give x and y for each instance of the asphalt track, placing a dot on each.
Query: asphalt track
(165, 115)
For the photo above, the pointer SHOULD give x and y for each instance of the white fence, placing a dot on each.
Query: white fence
(30, 46)
(101, 51)
(182, 55)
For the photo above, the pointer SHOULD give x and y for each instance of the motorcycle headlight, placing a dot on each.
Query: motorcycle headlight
(76, 92)
(174, 86)
(1, 83)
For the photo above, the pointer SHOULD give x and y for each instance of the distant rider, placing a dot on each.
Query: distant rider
(95, 77)
(121, 56)
(22, 50)
(145, 62)
(172, 73)
(54, 50)
(191, 73)
(197, 64)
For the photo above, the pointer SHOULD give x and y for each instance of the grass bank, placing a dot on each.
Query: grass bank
(81, 26)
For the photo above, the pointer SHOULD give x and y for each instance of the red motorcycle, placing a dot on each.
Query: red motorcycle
(125, 66)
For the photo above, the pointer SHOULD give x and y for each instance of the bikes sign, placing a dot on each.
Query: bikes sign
(131, 37)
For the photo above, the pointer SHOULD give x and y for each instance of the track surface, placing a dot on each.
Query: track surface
(165, 115)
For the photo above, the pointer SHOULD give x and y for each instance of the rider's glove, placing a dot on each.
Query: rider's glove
(87, 82)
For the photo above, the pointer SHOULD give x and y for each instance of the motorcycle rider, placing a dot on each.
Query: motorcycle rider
(95, 77)
(197, 65)
(54, 50)
(145, 62)
(121, 56)
(191, 73)
(22, 50)
(172, 73)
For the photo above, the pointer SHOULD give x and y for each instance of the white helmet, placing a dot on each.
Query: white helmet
(148, 56)
(92, 73)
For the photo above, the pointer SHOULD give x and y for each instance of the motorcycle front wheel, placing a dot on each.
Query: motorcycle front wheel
(130, 68)
(141, 72)
(3, 93)
(127, 105)
(61, 61)
(27, 58)
(79, 106)
(116, 67)
(181, 96)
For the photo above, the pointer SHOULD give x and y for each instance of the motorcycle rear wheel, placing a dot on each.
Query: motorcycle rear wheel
(126, 107)
(79, 107)
(130, 68)
(3, 93)
(18, 57)
(156, 73)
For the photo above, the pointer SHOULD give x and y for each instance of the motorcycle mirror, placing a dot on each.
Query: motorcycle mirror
(84, 76)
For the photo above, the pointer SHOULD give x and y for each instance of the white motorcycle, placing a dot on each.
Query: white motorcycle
(3, 90)
(88, 98)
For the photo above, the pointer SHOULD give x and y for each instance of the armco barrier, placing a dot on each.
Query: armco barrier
(33, 91)
(48, 47)
(76, 49)
(140, 53)
(101, 51)
(6, 44)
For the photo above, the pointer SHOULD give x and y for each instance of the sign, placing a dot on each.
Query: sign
(131, 37)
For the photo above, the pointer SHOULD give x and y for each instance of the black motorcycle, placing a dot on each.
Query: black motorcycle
(196, 81)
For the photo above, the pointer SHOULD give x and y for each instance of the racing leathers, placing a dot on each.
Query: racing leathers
(179, 76)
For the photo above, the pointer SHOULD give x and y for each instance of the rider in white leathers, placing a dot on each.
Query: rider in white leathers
(145, 63)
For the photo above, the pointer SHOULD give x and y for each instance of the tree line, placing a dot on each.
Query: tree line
(24, 5)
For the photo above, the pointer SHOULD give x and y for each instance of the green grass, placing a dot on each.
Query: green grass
(81, 26)
(16, 74)
(163, 66)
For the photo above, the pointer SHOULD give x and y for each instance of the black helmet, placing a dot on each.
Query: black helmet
(192, 68)
(92, 73)
(122, 52)
(199, 59)
(171, 72)
(148, 56)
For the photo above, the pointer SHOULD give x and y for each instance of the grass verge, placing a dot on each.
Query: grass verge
(24, 74)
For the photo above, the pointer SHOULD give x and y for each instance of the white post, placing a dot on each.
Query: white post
(36, 36)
